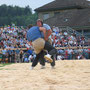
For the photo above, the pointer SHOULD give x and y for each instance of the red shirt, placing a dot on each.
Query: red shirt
(89, 50)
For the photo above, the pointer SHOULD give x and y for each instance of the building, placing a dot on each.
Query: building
(72, 13)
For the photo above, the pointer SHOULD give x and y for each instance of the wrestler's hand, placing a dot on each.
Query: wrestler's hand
(46, 39)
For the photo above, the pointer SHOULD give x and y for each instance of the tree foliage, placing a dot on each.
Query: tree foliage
(18, 15)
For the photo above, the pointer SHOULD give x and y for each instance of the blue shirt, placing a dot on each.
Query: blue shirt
(33, 33)
(30, 52)
(9, 52)
(4, 52)
(17, 51)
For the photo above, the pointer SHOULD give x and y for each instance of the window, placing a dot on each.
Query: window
(87, 31)
(65, 20)
(55, 13)
(89, 20)
(45, 16)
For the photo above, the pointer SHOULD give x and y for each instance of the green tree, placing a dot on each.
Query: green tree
(18, 15)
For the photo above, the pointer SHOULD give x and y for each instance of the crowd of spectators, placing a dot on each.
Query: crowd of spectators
(77, 53)
(62, 38)
(13, 37)
(17, 55)
(65, 39)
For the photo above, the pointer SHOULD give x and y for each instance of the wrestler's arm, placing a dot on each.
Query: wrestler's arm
(42, 29)
(49, 32)
(30, 43)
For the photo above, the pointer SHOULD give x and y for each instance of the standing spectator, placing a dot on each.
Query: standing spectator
(13, 56)
(89, 52)
(70, 53)
(21, 55)
(4, 51)
(9, 51)
(1, 57)
(66, 54)
(86, 53)
(17, 51)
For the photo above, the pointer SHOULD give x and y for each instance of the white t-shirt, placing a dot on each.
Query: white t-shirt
(47, 27)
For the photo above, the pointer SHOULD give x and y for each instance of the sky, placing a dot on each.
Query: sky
(22, 3)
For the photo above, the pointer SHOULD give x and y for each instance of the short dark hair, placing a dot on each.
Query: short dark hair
(39, 20)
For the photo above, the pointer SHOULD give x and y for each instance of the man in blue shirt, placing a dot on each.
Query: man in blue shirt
(35, 38)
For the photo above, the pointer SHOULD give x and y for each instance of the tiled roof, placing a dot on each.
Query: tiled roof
(63, 4)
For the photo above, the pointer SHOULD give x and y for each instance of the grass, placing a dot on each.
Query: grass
(2, 65)
(5, 64)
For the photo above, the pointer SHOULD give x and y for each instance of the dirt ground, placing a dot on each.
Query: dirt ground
(67, 75)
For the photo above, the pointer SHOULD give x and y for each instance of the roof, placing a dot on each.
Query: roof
(71, 18)
(63, 4)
